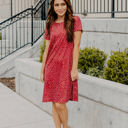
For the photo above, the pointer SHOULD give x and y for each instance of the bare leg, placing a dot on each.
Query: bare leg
(63, 113)
(56, 117)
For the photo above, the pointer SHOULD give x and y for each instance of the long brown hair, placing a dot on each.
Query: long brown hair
(68, 21)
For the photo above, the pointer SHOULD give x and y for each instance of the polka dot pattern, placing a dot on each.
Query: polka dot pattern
(58, 85)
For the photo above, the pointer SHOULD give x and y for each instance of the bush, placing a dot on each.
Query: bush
(117, 67)
(42, 48)
(95, 72)
(91, 58)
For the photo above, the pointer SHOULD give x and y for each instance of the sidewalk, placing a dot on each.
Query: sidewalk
(17, 112)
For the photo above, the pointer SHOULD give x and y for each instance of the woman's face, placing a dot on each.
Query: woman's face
(60, 7)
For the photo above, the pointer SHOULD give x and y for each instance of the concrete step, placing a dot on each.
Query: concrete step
(18, 112)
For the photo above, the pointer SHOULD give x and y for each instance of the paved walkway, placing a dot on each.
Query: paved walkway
(17, 112)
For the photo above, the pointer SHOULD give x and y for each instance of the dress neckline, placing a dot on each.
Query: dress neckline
(59, 22)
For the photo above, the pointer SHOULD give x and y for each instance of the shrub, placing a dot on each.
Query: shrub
(91, 58)
(117, 67)
(42, 48)
(95, 72)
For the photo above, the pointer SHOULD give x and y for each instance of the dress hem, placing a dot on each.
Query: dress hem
(50, 100)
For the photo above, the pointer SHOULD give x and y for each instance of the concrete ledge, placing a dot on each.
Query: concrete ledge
(102, 103)
(7, 68)
(104, 91)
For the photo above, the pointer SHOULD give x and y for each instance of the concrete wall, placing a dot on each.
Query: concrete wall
(5, 9)
(105, 34)
(101, 103)
(7, 67)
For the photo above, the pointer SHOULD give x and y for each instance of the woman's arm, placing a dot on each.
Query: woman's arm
(77, 39)
(45, 55)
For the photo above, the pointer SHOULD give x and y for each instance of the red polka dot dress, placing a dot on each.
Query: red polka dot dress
(58, 85)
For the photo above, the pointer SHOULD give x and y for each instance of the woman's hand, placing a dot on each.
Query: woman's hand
(42, 77)
(74, 75)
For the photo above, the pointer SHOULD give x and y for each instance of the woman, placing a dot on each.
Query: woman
(60, 59)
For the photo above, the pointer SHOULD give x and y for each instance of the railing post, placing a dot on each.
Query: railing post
(113, 9)
(32, 26)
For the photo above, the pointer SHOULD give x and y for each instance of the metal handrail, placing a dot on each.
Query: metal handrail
(112, 7)
(21, 29)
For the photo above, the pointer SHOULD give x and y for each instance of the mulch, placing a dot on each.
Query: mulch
(9, 82)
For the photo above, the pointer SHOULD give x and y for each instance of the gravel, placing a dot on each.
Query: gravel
(9, 82)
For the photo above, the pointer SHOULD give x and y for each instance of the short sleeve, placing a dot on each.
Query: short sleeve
(77, 24)
(46, 37)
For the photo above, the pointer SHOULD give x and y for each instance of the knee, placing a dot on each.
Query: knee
(53, 104)
(60, 106)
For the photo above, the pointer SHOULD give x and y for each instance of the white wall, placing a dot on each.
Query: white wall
(101, 103)
(17, 5)
(7, 67)
(5, 9)
(105, 34)
(20, 5)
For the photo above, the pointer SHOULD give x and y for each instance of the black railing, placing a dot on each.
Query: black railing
(20, 5)
(100, 6)
(28, 26)
(22, 29)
